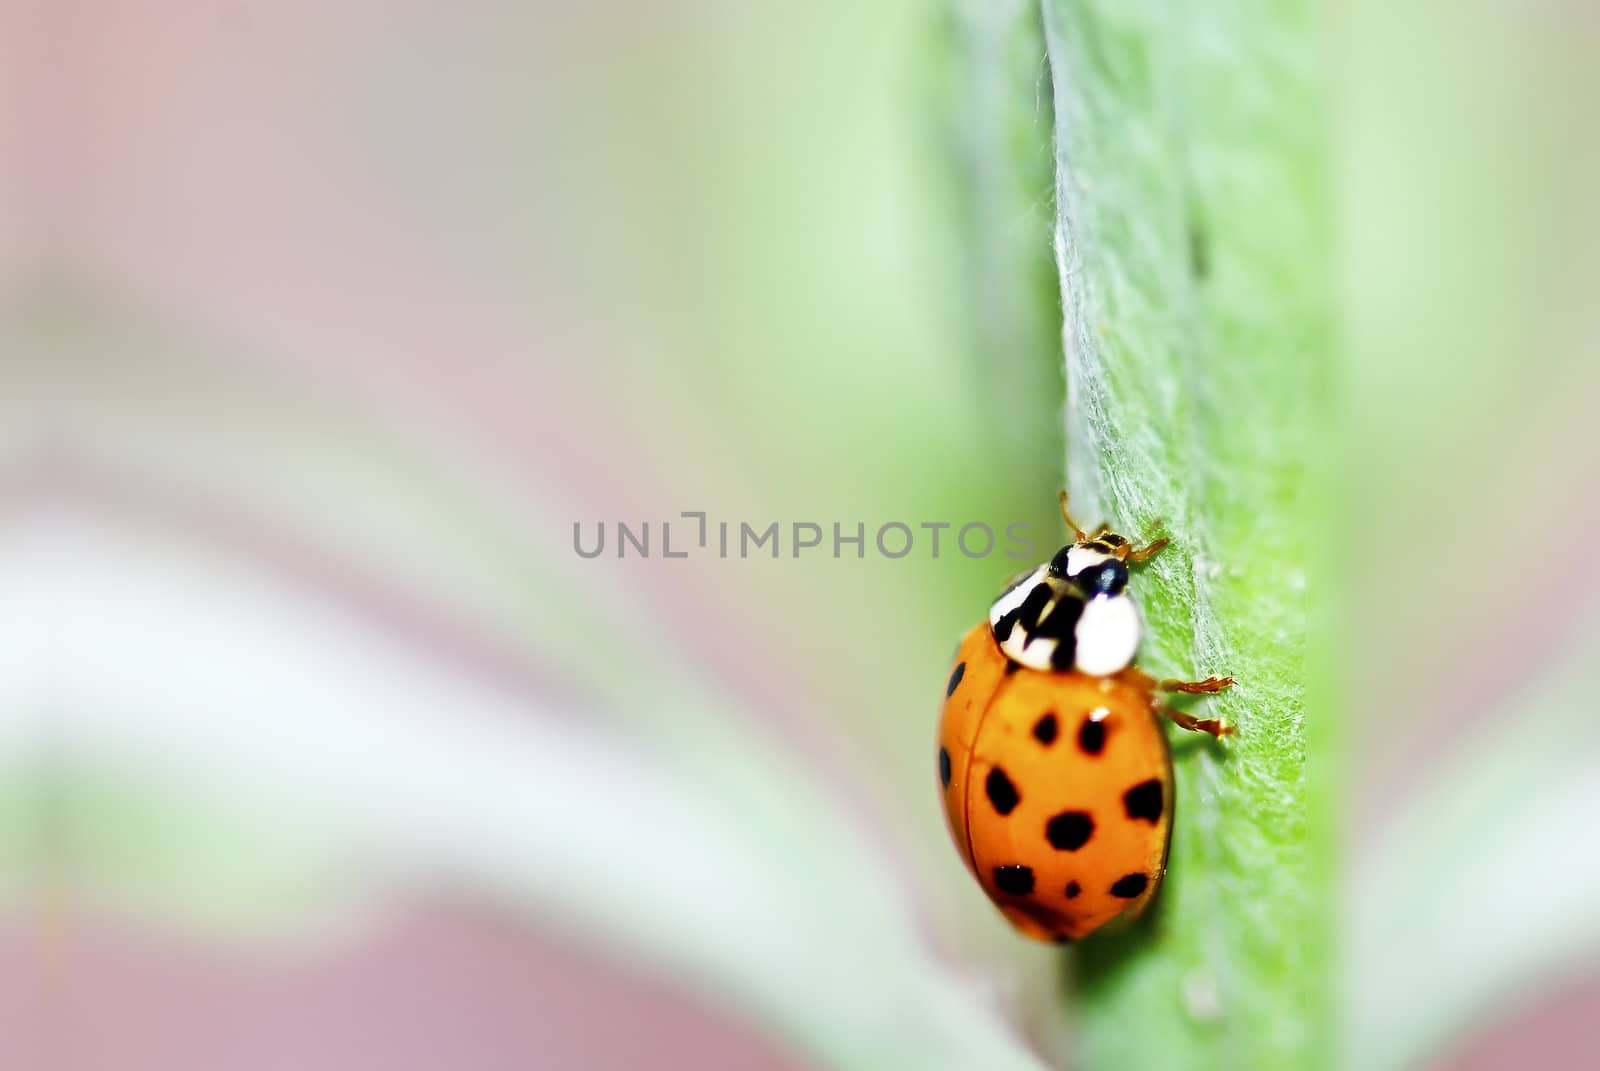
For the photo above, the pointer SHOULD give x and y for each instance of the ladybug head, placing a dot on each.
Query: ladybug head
(1098, 561)
(1095, 566)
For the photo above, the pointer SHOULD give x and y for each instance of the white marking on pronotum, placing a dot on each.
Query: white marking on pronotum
(1106, 636)
(1080, 557)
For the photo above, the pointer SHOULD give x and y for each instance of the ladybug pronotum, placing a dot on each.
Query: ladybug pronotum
(1053, 762)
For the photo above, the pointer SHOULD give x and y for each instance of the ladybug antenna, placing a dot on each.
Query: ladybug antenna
(1077, 529)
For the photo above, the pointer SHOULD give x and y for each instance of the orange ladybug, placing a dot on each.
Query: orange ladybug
(1054, 767)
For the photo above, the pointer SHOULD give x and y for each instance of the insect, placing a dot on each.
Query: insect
(1055, 771)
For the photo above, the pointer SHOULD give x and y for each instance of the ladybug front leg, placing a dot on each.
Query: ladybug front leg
(1149, 550)
(1152, 547)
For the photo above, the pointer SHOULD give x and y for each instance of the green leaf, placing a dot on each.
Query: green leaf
(1196, 342)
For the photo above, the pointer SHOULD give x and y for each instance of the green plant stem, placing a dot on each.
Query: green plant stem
(1189, 201)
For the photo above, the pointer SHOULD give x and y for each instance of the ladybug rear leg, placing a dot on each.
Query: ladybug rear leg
(1209, 686)
(1184, 720)
(1140, 679)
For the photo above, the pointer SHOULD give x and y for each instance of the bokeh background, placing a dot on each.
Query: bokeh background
(321, 325)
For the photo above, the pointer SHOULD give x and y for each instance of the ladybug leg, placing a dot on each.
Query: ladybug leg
(1149, 550)
(1138, 678)
(1152, 548)
(1183, 720)
(1150, 685)
(1077, 529)
(1209, 686)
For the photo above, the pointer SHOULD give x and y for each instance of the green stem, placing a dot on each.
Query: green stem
(1193, 273)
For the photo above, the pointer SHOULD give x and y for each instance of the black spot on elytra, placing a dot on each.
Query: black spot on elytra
(1144, 801)
(1069, 830)
(1129, 886)
(955, 679)
(1012, 667)
(1073, 889)
(1015, 880)
(944, 767)
(1092, 736)
(1045, 729)
(1002, 793)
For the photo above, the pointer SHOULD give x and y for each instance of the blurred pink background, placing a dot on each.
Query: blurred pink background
(365, 303)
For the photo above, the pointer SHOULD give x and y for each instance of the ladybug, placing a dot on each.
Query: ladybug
(1053, 763)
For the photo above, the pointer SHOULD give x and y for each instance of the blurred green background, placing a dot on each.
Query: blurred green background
(321, 325)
